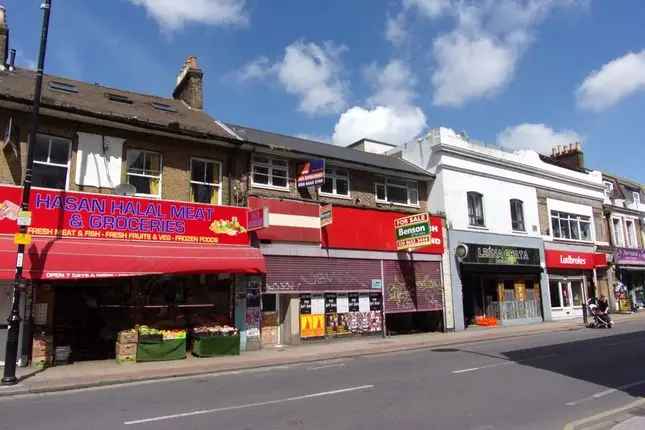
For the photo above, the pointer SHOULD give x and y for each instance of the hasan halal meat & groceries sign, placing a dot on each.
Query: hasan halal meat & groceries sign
(67, 214)
(417, 231)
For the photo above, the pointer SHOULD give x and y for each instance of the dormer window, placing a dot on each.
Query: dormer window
(118, 98)
(609, 189)
(636, 197)
(63, 87)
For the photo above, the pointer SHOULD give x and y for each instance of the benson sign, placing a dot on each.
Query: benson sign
(417, 231)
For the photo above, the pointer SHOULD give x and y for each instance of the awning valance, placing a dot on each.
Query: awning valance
(55, 259)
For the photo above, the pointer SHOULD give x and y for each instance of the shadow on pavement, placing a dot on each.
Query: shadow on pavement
(617, 362)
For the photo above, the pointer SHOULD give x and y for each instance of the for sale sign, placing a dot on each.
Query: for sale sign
(416, 231)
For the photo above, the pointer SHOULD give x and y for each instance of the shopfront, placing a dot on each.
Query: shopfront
(100, 265)
(630, 271)
(346, 278)
(572, 280)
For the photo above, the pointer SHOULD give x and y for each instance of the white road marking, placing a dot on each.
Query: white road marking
(605, 393)
(327, 366)
(505, 363)
(248, 405)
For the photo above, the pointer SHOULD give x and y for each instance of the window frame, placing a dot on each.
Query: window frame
(579, 219)
(480, 197)
(270, 168)
(49, 163)
(631, 240)
(608, 188)
(521, 212)
(615, 220)
(218, 185)
(385, 182)
(636, 198)
(141, 175)
(334, 176)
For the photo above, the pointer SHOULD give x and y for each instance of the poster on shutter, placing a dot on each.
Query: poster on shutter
(364, 303)
(343, 324)
(305, 304)
(312, 326)
(342, 304)
(375, 302)
(330, 303)
(353, 302)
(318, 304)
(331, 324)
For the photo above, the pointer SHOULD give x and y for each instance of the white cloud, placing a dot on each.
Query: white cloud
(390, 115)
(478, 57)
(259, 68)
(538, 137)
(430, 8)
(392, 125)
(313, 72)
(174, 14)
(469, 68)
(308, 70)
(615, 81)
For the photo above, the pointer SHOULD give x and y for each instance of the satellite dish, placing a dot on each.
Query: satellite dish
(125, 190)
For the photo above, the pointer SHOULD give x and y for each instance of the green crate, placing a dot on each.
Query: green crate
(210, 346)
(173, 349)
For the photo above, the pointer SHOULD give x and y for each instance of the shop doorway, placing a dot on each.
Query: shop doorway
(501, 299)
(567, 296)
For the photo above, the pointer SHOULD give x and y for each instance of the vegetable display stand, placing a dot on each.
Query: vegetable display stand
(171, 349)
(210, 346)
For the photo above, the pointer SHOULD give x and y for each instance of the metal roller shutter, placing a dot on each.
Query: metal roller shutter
(412, 286)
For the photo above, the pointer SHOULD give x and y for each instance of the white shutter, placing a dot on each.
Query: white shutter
(98, 160)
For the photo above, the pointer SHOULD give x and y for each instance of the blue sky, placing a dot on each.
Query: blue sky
(516, 73)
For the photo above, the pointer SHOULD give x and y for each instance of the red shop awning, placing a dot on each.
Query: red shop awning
(55, 259)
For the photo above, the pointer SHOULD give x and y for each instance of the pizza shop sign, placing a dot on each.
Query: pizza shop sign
(84, 215)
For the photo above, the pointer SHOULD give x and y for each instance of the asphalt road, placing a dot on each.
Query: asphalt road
(533, 382)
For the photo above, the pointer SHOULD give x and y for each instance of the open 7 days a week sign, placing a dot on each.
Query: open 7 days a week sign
(417, 231)
(66, 214)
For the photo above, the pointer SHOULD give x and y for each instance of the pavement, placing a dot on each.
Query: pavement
(108, 372)
(561, 376)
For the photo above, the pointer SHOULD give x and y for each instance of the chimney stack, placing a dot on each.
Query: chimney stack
(570, 156)
(189, 84)
(4, 38)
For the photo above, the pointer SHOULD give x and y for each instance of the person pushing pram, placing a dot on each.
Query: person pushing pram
(599, 310)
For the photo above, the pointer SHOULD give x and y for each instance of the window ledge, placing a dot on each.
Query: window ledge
(270, 187)
(383, 202)
(478, 227)
(335, 196)
(523, 232)
(557, 239)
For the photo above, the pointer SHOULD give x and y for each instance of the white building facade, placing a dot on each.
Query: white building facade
(509, 260)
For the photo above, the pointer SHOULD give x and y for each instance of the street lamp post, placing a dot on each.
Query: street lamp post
(11, 355)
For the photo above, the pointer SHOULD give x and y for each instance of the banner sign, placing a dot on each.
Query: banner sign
(416, 231)
(326, 217)
(630, 256)
(65, 214)
(311, 173)
(257, 219)
(493, 254)
(569, 260)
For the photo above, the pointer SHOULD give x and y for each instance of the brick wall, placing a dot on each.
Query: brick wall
(362, 191)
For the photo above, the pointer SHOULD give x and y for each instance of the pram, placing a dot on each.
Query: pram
(600, 319)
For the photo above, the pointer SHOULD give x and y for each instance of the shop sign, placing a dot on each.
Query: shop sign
(492, 254)
(377, 284)
(354, 302)
(330, 304)
(416, 231)
(326, 217)
(311, 173)
(65, 214)
(630, 256)
(257, 219)
(569, 260)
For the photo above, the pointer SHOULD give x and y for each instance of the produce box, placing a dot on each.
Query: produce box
(150, 338)
(174, 349)
(126, 359)
(209, 346)
(126, 348)
(128, 336)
